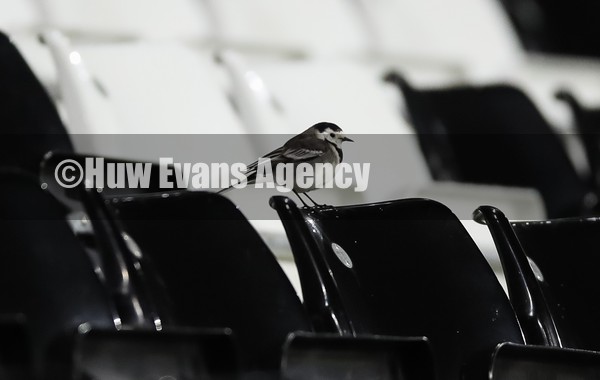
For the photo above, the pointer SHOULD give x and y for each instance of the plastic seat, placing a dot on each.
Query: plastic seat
(113, 90)
(270, 27)
(183, 20)
(155, 233)
(67, 285)
(395, 25)
(215, 289)
(402, 268)
(49, 278)
(206, 274)
(31, 125)
(500, 126)
(556, 272)
(448, 54)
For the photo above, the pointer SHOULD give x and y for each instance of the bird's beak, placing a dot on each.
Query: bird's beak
(347, 139)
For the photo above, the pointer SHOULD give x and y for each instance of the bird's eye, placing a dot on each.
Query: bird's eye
(332, 134)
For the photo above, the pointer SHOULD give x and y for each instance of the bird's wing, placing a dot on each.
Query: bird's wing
(302, 154)
(286, 153)
(272, 156)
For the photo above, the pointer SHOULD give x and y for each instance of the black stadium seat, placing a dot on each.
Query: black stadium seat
(495, 135)
(560, 258)
(401, 268)
(46, 275)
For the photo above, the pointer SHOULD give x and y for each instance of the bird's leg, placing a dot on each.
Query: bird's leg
(314, 203)
(299, 197)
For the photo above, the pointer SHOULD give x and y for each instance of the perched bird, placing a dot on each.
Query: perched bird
(321, 143)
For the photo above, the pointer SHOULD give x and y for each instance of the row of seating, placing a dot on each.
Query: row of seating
(398, 285)
(107, 97)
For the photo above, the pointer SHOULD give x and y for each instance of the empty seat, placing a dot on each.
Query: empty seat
(216, 288)
(557, 272)
(47, 275)
(423, 32)
(495, 135)
(223, 282)
(152, 234)
(127, 93)
(330, 28)
(403, 268)
(478, 45)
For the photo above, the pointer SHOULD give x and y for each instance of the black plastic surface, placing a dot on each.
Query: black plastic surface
(215, 270)
(516, 362)
(414, 271)
(565, 255)
(193, 355)
(45, 274)
(319, 356)
(495, 135)
(30, 124)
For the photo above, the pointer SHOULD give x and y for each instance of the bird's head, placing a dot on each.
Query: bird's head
(331, 133)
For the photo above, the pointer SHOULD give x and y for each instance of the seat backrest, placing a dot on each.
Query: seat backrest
(46, 274)
(404, 268)
(31, 125)
(215, 270)
(563, 260)
(183, 20)
(423, 30)
(115, 89)
(296, 27)
(511, 141)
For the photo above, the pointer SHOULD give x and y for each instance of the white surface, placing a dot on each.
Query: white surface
(297, 27)
(19, 16)
(141, 88)
(474, 34)
(185, 20)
